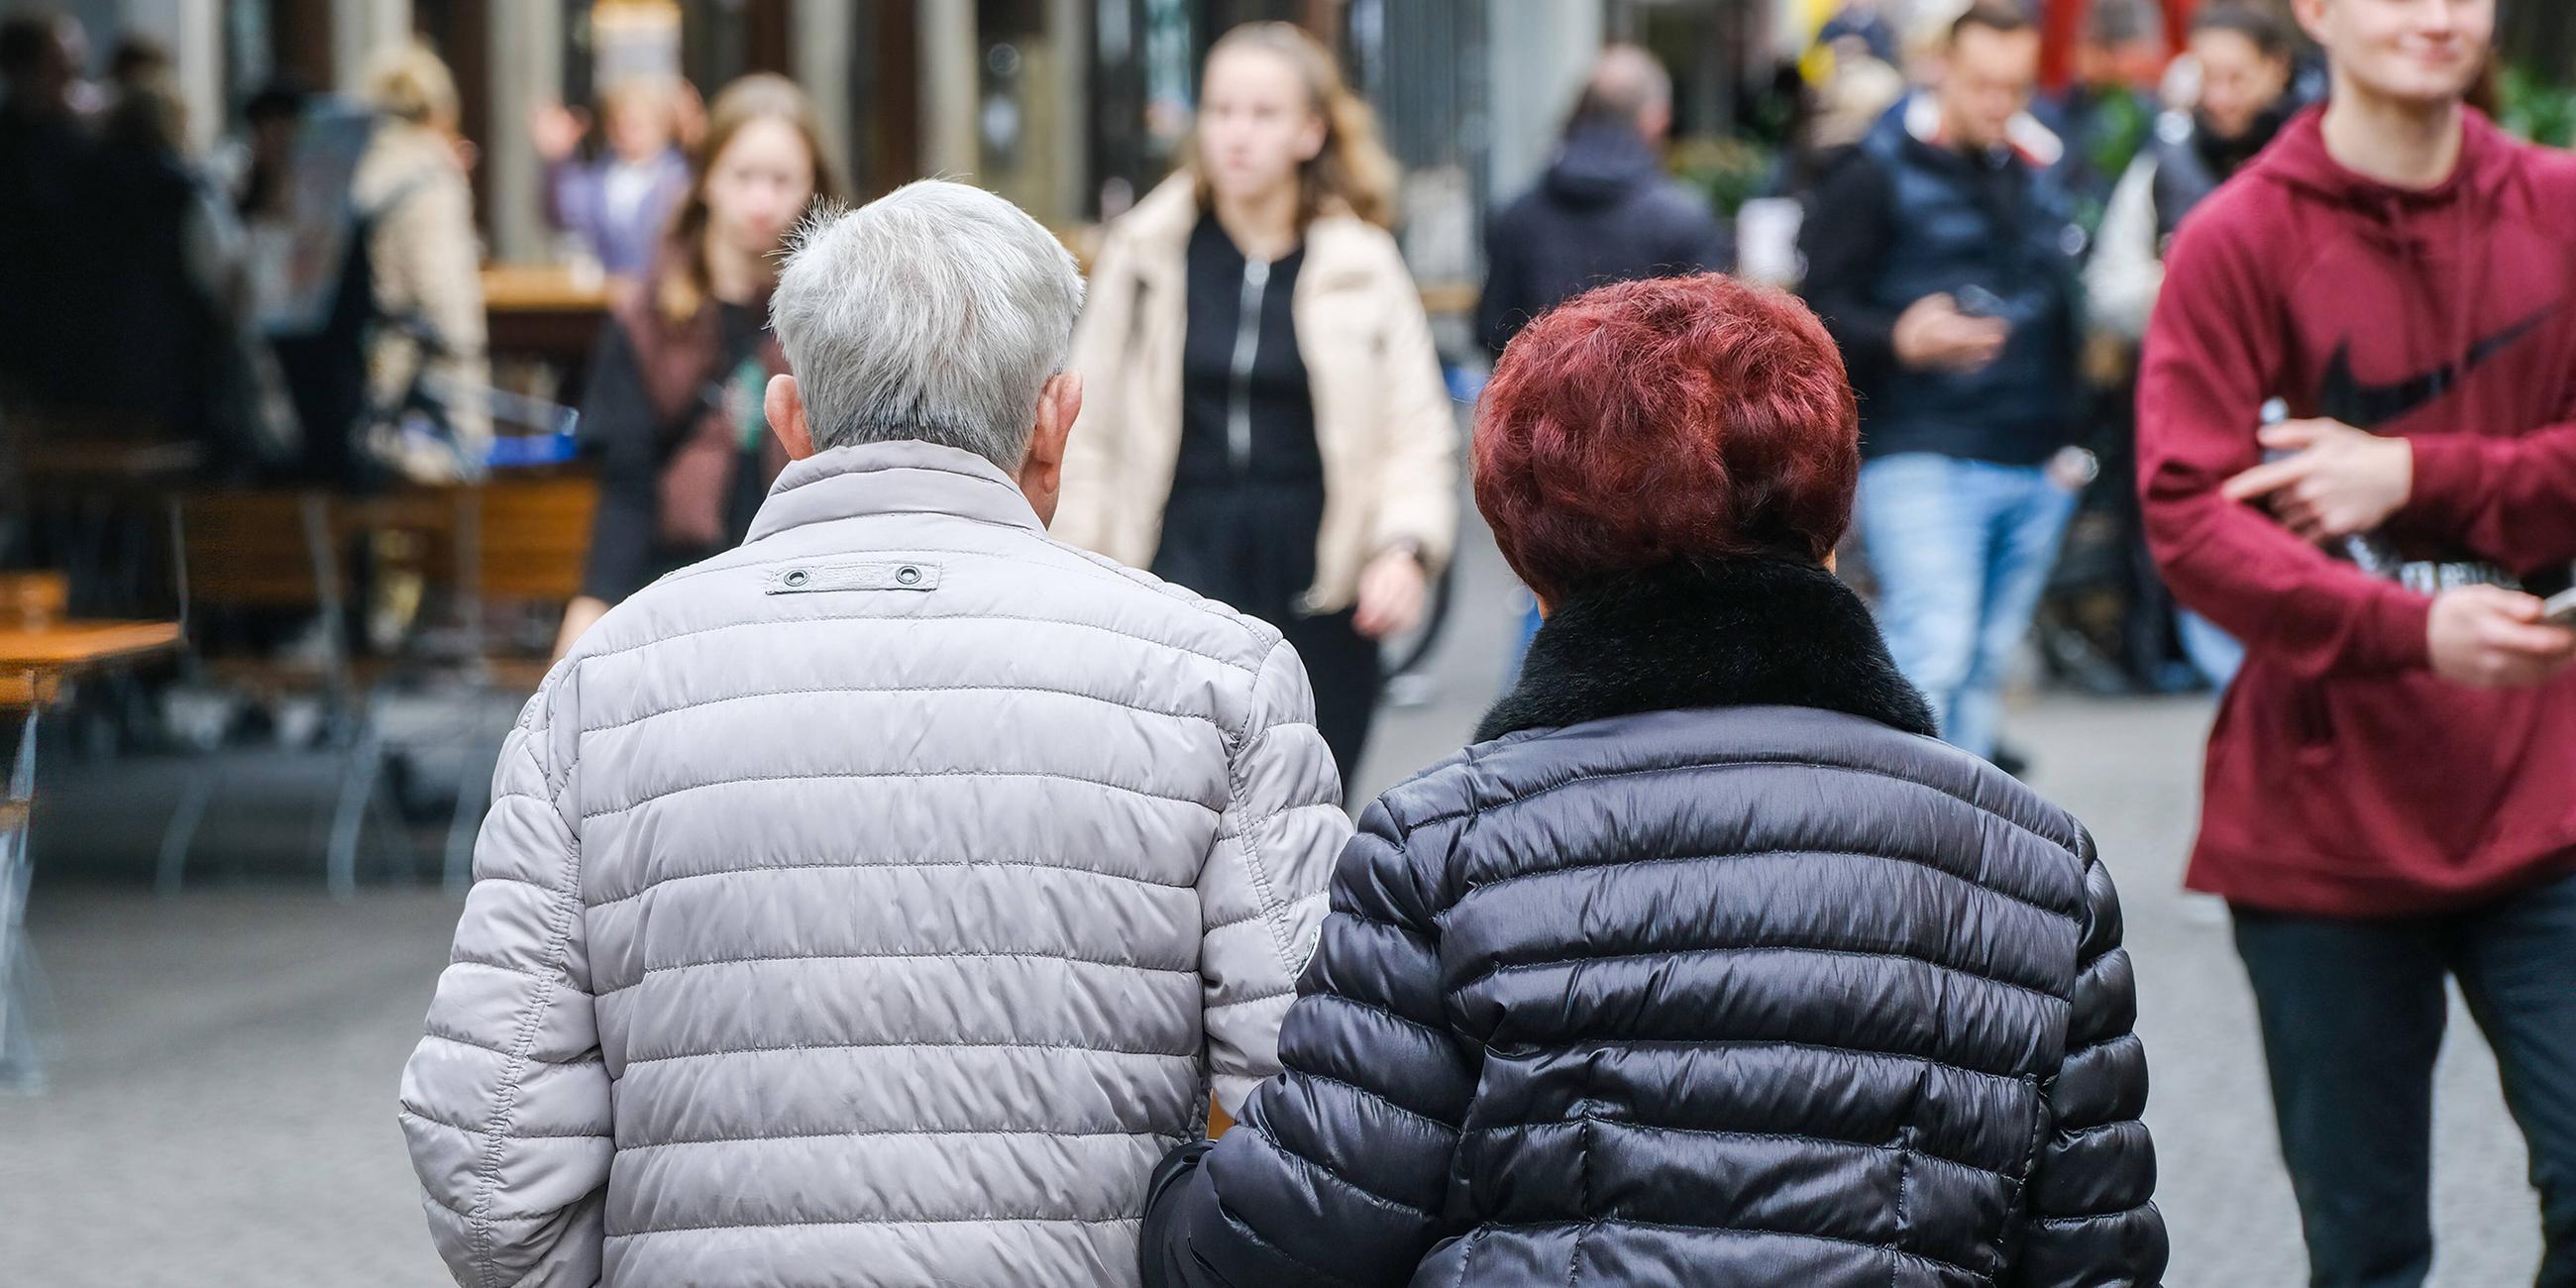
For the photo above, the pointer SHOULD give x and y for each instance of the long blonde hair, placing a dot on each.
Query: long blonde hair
(760, 96)
(1352, 170)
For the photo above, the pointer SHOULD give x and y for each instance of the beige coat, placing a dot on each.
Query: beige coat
(422, 253)
(1382, 416)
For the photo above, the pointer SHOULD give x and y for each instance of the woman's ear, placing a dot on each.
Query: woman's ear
(784, 404)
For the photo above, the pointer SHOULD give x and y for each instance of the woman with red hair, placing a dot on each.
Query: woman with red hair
(1708, 963)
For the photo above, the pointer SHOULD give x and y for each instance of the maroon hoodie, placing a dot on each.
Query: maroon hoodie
(2345, 778)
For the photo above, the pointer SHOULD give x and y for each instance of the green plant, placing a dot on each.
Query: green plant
(2535, 106)
(1730, 171)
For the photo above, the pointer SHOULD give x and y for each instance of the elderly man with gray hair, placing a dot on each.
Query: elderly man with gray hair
(879, 902)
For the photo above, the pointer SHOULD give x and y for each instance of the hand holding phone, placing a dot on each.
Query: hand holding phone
(2560, 610)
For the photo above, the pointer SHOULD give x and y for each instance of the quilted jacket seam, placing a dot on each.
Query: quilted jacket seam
(418, 1115)
(1750, 762)
(1617, 864)
(1820, 1048)
(756, 623)
(1266, 897)
(487, 1172)
(758, 869)
(1667, 954)
(915, 1044)
(912, 775)
(2089, 1218)
(1756, 1231)
(903, 688)
(1064, 958)
(1004, 1219)
(1326, 1171)
(868, 1133)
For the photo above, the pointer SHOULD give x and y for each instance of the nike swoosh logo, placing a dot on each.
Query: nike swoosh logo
(2340, 396)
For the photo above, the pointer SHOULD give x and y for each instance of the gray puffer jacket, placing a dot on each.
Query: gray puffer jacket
(873, 904)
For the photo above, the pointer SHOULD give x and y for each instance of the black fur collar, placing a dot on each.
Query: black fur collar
(1741, 632)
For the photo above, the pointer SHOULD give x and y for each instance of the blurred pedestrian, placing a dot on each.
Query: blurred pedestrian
(1941, 259)
(876, 903)
(1268, 424)
(2107, 115)
(1605, 210)
(184, 358)
(2387, 804)
(425, 264)
(49, 323)
(1706, 965)
(617, 203)
(2242, 56)
(672, 413)
(2241, 59)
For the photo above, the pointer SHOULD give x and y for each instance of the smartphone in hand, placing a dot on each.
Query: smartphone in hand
(2560, 610)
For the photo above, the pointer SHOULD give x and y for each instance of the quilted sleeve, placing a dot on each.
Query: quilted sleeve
(1261, 891)
(505, 1103)
(2089, 1216)
(1339, 1172)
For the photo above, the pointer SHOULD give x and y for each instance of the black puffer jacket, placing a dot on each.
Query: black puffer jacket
(1604, 212)
(1709, 967)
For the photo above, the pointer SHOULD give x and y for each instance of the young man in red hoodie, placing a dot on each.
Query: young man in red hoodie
(2391, 786)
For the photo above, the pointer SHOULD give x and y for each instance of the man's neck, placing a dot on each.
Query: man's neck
(2401, 144)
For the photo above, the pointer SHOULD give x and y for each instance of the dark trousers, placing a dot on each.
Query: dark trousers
(2352, 1015)
(1251, 545)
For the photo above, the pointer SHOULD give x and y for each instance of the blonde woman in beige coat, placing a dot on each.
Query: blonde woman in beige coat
(1264, 420)
(412, 191)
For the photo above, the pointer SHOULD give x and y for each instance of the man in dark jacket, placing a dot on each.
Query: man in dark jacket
(1706, 966)
(1605, 211)
(1941, 260)
(2388, 798)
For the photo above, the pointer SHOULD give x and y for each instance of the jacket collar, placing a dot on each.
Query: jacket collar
(1918, 116)
(1728, 633)
(1337, 242)
(909, 477)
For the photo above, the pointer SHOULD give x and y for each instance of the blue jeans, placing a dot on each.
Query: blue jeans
(1962, 550)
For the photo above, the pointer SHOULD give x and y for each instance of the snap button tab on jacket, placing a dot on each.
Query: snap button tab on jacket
(797, 577)
(908, 575)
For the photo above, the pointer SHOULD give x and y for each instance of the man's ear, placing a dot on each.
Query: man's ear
(784, 404)
(1042, 471)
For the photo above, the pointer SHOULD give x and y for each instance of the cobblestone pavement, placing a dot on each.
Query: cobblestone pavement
(222, 1103)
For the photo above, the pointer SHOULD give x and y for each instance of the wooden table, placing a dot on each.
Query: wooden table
(542, 312)
(34, 658)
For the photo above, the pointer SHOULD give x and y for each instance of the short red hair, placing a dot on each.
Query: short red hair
(1653, 422)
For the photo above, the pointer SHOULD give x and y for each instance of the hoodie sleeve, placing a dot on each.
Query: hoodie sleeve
(2510, 500)
(2214, 354)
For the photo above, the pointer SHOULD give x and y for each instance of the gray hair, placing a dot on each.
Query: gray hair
(936, 312)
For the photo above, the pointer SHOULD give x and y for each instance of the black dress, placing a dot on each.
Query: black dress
(1248, 491)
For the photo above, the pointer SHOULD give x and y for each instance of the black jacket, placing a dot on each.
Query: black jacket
(1604, 212)
(1710, 966)
(1901, 219)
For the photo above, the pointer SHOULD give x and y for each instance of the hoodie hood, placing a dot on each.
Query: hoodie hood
(1601, 162)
